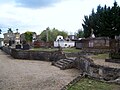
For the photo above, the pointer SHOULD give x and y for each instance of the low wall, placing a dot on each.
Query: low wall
(86, 65)
(37, 55)
(6, 49)
(113, 60)
(34, 55)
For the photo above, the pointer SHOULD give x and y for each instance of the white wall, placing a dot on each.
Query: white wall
(64, 43)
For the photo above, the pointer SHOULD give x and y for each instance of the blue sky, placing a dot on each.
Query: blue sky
(37, 15)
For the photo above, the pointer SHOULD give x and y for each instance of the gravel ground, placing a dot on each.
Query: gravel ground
(108, 64)
(32, 75)
(103, 63)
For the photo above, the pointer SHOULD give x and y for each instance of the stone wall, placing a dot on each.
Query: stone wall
(34, 55)
(6, 49)
(86, 66)
(93, 43)
(37, 55)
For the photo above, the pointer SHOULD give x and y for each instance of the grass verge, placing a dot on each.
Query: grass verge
(101, 56)
(66, 50)
(89, 84)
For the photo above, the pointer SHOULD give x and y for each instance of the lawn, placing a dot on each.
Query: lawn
(100, 56)
(89, 84)
(66, 50)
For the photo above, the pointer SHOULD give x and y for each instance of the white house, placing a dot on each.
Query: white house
(63, 43)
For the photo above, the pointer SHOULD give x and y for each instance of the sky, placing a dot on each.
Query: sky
(37, 15)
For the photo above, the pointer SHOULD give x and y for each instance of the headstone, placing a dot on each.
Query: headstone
(115, 51)
(26, 47)
(18, 46)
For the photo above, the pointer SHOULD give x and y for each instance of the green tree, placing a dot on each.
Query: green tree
(10, 30)
(80, 33)
(105, 22)
(49, 35)
(28, 36)
(0, 31)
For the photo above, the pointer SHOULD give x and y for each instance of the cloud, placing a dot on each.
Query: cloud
(35, 3)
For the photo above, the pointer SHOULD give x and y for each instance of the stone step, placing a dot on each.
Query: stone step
(60, 63)
(64, 63)
(68, 60)
(59, 66)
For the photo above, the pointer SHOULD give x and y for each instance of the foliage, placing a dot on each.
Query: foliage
(115, 55)
(28, 36)
(105, 22)
(50, 35)
(10, 30)
(80, 33)
(0, 31)
(89, 84)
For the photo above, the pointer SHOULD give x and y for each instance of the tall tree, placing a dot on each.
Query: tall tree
(49, 35)
(28, 36)
(80, 33)
(105, 22)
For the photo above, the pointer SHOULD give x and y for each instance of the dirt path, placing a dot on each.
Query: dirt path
(32, 75)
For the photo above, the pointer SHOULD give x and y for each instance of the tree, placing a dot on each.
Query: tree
(80, 33)
(105, 22)
(0, 31)
(28, 36)
(49, 35)
(10, 30)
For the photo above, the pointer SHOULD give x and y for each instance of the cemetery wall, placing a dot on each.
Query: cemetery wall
(86, 66)
(93, 43)
(37, 55)
(6, 49)
(34, 55)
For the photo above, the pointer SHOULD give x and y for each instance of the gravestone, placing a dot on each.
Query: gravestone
(18, 46)
(26, 47)
(114, 51)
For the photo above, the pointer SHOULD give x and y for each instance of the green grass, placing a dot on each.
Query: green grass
(101, 56)
(44, 49)
(88, 84)
(72, 50)
(66, 50)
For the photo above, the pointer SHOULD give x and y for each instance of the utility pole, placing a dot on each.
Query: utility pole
(0, 39)
(47, 29)
(47, 35)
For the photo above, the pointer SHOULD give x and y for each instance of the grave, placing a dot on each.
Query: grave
(114, 55)
(18, 46)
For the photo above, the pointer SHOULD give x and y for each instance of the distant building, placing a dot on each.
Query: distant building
(73, 37)
(11, 38)
(63, 43)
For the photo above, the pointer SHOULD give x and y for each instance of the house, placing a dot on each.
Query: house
(11, 38)
(63, 43)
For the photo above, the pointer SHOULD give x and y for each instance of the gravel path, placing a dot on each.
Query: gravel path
(103, 63)
(108, 64)
(32, 75)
